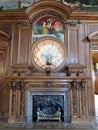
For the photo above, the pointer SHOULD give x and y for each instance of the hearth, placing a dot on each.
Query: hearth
(48, 105)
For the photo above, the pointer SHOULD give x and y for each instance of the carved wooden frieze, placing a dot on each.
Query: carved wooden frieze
(48, 84)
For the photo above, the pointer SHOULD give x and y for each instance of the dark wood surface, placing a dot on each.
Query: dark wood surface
(16, 45)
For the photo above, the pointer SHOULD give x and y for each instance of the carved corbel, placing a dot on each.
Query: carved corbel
(24, 23)
(73, 84)
(20, 70)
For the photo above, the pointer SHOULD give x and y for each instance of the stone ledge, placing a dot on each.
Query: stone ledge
(47, 125)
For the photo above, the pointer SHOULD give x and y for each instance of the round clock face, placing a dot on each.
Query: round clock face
(48, 52)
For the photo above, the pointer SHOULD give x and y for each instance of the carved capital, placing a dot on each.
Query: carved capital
(13, 84)
(74, 84)
(21, 85)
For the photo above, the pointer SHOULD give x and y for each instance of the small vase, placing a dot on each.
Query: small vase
(48, 70)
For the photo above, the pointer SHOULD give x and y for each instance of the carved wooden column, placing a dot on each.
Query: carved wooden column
(83, 85)
(22, 98)
(17, 101)
(13, 104)
(74, 94)
(13, 101)
(79, 101)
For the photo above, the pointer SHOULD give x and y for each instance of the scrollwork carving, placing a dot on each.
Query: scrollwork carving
(83, 85)
(74, 97)
(21, 87)
(13, 104)
(79, 98)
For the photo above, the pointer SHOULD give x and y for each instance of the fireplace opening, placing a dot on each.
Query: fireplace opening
(48, 108)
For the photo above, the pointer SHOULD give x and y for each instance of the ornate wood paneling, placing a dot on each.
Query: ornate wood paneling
(14, 45)
(24, 45)
(78, 49)
(73, 42)
(21, 45)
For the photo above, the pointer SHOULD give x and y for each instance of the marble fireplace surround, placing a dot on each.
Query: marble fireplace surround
(47, 92)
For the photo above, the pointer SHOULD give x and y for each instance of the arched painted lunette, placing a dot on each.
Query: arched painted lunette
(44, 5)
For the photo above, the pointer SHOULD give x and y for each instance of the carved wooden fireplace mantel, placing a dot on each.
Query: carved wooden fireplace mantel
(24, 88)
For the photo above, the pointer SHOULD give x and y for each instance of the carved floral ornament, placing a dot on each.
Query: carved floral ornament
(17, 85)
(72, 22)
